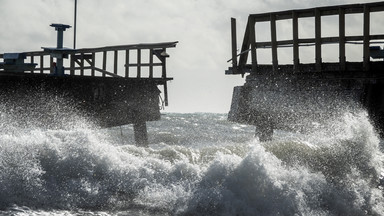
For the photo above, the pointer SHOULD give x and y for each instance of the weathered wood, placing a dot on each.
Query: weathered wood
(82, 64)
(72, 65)
(52, 69)
(295, 31)
(318, 39)
(151, 63)
(32, 61)
(274, 43)
(129, 47)
(127, 63)
(252, 39)
(366, 37)
(41, 64)
(104, 61)
(342, 58)
(104, 72)
(325, 11)
(245, 46)
(92, 63)
(115, 60)
(234, 45)
(165, 94)
(138, 63)
(164, 66)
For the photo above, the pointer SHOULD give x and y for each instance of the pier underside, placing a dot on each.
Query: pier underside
(108, 101)
(290, 100)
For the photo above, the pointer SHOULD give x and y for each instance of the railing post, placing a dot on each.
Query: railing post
(234, 45)
(93, 64)
(366, 38)
(342, 59)
(127, 63)
(274, 42)
(252, 39)
(164, 75)
(138, 63)
(318, 39)
(104, 61)
(52, 69)
(115, 60)
(82, 64)
(295, 31)
(72, 64)
(151, 63)
(42, 63)
(32, 61)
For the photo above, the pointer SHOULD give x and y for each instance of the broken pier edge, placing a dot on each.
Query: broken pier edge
(290, 96)
(113, 85)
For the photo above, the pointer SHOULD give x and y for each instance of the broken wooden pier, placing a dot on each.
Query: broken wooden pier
(295, 94)
(113, 85)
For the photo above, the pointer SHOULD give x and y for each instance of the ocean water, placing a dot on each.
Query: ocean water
(196, 164)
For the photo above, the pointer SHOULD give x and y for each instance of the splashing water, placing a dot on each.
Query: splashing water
(197, 164)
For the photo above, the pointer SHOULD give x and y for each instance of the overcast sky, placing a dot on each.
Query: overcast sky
(202, 28)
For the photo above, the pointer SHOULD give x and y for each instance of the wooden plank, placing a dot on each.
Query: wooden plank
(295, 31)
(318, 39)
(115, 60)
(32, 61)
(366, 28)
(82, 64)
(127, 63)
(324, 40)
(234, 45)
(165, 94)
(104, 62)
(325, 11)
(72, 65)
(252, 40)
(145, 64)
(151, 63)
(274, 44)
(245, 46)
(342, 58)
(138, 63)
(104, 72)
(93, 62)
(130, 47)
(164, 66)
(41, 63)
(52, 69)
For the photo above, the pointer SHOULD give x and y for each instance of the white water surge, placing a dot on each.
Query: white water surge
(196, 164)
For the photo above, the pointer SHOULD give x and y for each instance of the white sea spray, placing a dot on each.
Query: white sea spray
(195, 164)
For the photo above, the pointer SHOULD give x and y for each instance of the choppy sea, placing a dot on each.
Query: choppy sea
(196, 164)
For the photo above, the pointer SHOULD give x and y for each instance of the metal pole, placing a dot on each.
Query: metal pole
(74, 26)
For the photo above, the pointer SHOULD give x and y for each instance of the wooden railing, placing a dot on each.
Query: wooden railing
(138, 61)
(250, 43)
(127, 61)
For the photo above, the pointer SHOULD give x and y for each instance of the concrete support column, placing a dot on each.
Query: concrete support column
(140, 133)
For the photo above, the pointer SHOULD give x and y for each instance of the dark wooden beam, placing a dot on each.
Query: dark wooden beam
(318, 39)
(342, 58)
(274, 43)
(127, 63)
(366, 37)
(252, 40)
(295, 31)
(234, 45)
